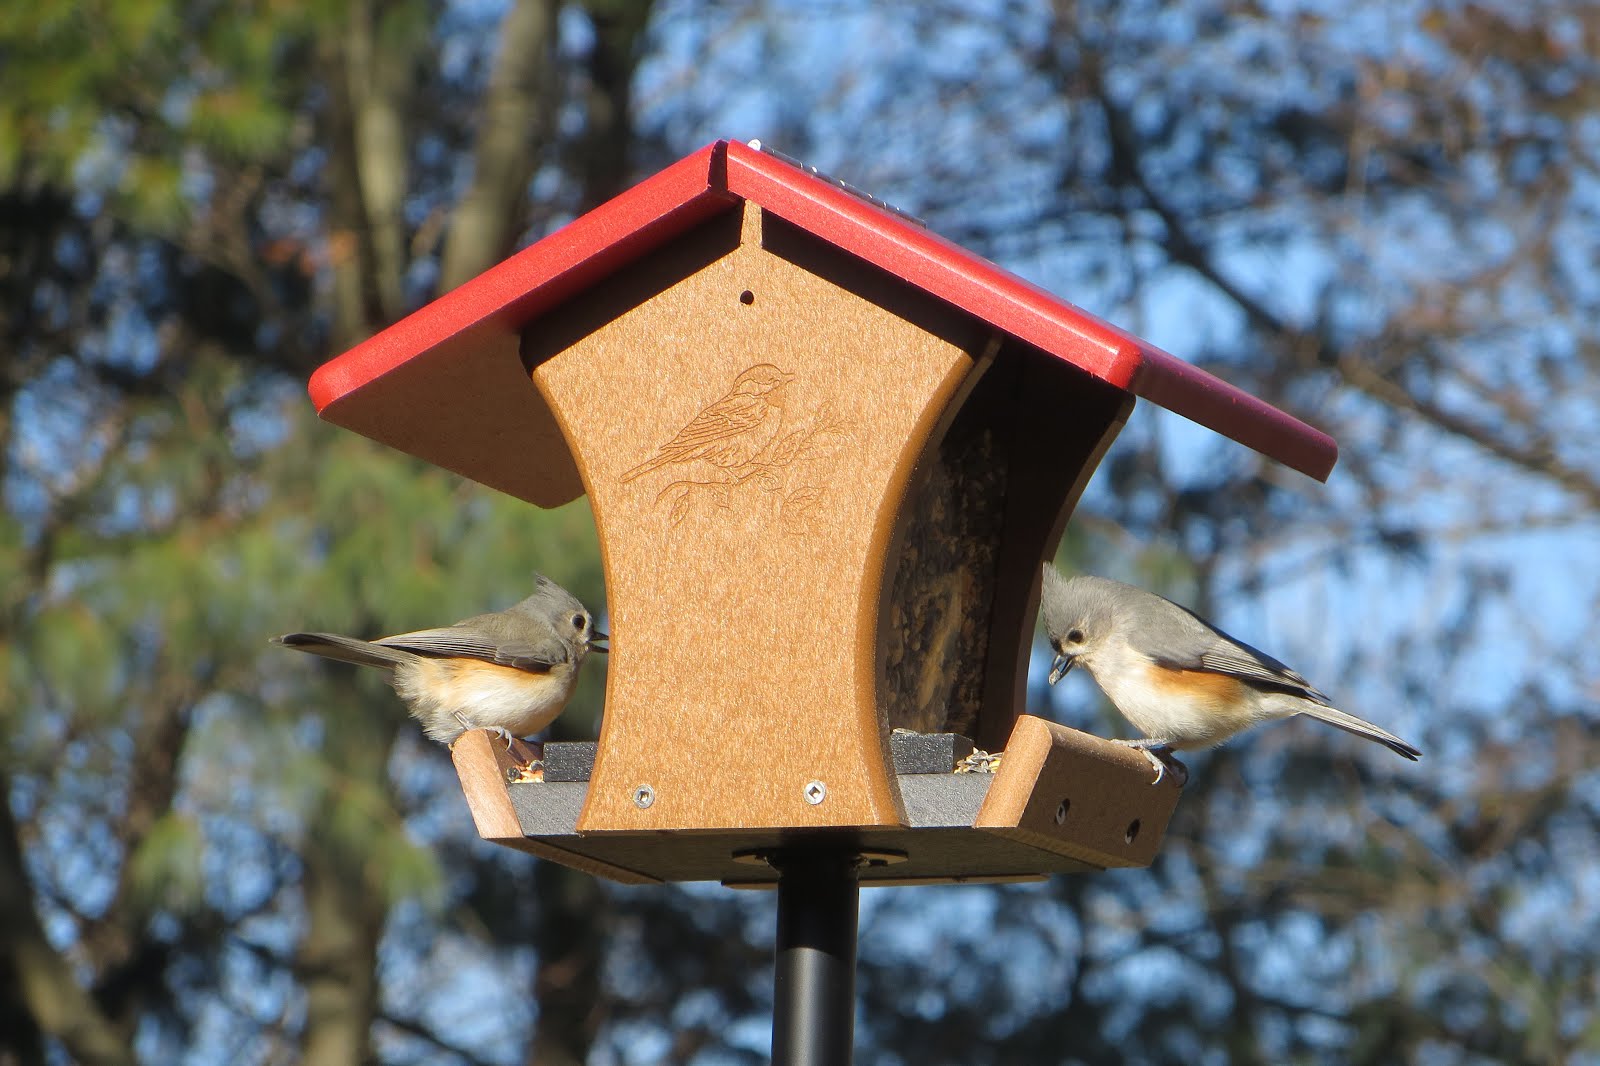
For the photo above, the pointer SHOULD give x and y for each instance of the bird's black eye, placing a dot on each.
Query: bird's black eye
(1075, 636)
(578, 621)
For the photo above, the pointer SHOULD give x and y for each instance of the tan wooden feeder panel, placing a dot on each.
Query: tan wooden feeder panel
(825, 452)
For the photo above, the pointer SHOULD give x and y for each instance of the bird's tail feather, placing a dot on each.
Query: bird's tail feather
(645, 467)
(1362, 728)
(345, 649)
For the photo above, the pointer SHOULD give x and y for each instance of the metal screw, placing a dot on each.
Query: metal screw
(1061, 811)
(643, 796)
(815, 792)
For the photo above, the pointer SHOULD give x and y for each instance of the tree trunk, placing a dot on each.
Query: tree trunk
(570, 935)
(516, 121)
(344, 897)
(338, 962)
(53, 1001)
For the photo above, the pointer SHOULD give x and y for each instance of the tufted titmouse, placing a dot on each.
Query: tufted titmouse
(1180, 680)
(511, 671)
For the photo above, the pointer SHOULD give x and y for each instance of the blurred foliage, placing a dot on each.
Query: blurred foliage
(1380, 217)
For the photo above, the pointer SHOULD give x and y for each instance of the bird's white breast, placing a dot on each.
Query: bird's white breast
(449, 696)
(1187, 708)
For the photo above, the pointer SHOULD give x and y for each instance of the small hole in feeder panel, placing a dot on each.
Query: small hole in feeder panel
(1061, 811)
(747, 297)
(1133, 831)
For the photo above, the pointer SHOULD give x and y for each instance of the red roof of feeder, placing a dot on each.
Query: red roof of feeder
(458, 360)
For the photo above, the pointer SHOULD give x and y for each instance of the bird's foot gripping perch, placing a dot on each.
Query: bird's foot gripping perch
(1161, 758)
(527, 760)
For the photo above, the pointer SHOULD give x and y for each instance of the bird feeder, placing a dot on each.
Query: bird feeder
(826, 451)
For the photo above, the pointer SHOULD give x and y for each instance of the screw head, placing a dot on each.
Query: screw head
(643, 796)
(815, 792)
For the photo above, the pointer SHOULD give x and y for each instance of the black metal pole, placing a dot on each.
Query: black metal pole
(814, 1000)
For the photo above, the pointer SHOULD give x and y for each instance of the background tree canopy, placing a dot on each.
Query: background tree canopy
(1380, 216)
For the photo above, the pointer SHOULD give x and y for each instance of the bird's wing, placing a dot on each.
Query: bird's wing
(1182, 640)
(723, 419)
(1248, 664)
(466, 642)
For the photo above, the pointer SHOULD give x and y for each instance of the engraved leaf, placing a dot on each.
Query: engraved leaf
(680, 507)
(785, 450)
(768, 481)
(802, 500)
(797, 508)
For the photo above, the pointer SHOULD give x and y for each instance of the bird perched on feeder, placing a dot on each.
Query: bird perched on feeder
(1181, 681)
(510, 672)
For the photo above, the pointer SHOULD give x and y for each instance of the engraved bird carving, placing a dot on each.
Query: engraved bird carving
(731, 432)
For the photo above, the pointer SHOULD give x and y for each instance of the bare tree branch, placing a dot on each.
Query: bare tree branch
(1182, 246)
(421, 1032)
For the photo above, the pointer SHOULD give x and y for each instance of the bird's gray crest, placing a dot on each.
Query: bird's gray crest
(549, 600)
(1084, 602)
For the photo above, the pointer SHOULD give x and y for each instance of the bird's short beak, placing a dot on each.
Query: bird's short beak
(597, 636)
(1059, 668)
